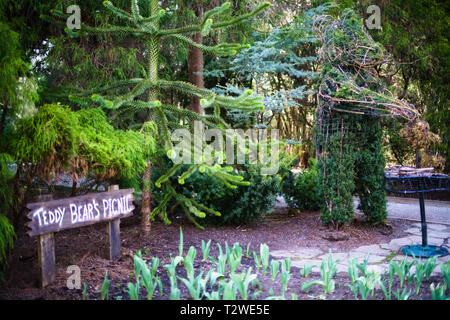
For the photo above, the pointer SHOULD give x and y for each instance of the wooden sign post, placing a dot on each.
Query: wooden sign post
(113, 232)
(46, 252)
(52, 216)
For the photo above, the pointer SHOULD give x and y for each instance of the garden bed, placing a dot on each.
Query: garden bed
(284, 229)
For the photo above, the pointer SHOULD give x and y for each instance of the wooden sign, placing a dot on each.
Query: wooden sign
(48, 217)
(56, 215)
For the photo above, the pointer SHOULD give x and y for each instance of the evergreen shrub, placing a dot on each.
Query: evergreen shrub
(57, 140)
(242, 205)
(301, 191)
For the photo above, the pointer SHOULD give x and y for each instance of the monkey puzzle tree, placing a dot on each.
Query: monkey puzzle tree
(140, 94)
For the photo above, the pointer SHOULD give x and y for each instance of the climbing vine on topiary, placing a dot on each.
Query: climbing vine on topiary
(348, 132)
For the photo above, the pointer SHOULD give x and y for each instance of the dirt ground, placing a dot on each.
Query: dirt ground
(86, 248)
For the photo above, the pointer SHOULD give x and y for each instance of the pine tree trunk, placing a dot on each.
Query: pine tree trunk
(195, 65)
(153, 53)
(146, 201)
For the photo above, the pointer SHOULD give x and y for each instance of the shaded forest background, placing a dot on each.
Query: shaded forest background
(42, 61)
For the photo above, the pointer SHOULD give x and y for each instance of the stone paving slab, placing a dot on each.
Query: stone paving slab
(360, 257)
(298, 253)
(432, 226)
(341, 256)
(307, 262)
(374, 249)
(430, 240)
(430, 233)
(342, 268)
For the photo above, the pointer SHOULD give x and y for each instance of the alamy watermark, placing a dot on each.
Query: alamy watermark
(74, 20)
(374, 20)
(74, 280)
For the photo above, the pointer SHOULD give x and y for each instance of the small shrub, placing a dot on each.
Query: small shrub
(237, 206)
(247, 203)
(301, 191)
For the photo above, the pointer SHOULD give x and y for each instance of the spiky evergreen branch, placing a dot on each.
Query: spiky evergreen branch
(149, 30)
(198, 27)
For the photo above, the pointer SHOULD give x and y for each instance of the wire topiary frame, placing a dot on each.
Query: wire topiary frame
(351, 99)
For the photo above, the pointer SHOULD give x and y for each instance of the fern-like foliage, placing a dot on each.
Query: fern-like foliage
(57, 140)
(7, 233)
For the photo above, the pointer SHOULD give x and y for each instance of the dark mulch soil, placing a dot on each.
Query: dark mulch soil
(85, 247)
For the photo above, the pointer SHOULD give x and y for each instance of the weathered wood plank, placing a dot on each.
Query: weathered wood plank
(46, 255)
(56, 215)
(113, 232)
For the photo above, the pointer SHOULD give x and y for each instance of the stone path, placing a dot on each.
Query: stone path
(379, 255)
(405, 208)
(408, 209)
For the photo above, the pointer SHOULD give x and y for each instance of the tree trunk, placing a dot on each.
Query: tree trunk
(146, 201)
(153, 48)
(74, 188)
(195, 65)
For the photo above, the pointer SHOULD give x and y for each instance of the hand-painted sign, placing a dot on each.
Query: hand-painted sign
(52, 216)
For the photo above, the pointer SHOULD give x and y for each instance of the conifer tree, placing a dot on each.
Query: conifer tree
(145, 94)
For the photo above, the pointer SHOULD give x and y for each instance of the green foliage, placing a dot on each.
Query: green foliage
(249, 203)
(416, 34)
(438, 292)
(6, 175)
(245, 203)
(365, 285)
(141, 95)
(348, 133)
(57, 139)
(241, 205)
(353, 165)
(301, 190)
(400, 152)
(7, 236)
(105, 287)
(336, 186)
(445, 269)
(224, 281)
(370, 165)
(275, 66)
(328, 269)
(205, 249)
(124, 152)
(305, 271)
(50, 132)
(11, 68)
(274, 268)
